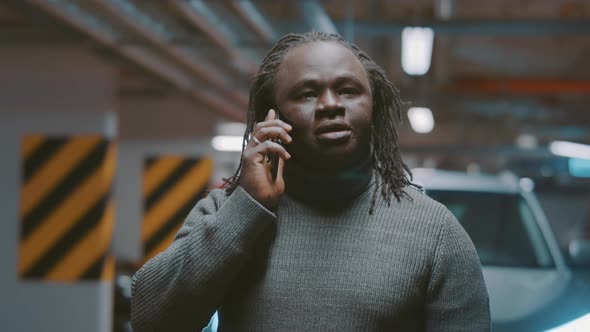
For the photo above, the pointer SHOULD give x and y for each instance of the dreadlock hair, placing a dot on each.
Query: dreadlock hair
(385, 155)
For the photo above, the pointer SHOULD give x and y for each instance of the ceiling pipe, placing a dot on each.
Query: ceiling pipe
(516, 28)
(254, 19)
(472, 27)
(201, 16)
(73, 16)
(197, 64)
(522, 86)
(315, 15)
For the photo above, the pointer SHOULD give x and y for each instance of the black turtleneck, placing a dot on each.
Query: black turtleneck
(327, 187)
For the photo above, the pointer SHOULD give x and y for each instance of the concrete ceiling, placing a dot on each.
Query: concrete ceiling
(499, 68)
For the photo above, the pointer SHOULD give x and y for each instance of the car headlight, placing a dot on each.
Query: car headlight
(578, 324)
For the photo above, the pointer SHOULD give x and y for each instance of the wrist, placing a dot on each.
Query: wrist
(267, 204)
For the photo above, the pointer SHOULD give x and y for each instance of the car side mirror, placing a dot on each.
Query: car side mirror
(579, 251)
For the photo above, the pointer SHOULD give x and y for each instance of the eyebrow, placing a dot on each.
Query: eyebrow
(311, 82)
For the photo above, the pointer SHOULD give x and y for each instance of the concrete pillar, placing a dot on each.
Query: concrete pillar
(65, 92)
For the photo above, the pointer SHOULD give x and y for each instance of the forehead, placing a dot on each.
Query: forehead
(320, 60)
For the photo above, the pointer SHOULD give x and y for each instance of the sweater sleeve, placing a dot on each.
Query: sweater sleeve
(180, 288)
(457, 295)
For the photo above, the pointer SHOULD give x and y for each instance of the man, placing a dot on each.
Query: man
(340, 241)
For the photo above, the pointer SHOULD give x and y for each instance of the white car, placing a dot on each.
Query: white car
(532, 285)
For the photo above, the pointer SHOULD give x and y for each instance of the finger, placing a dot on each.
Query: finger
(272, 123)
(268, 147)
(273, 133)
(253, 142)
(269, 133)
(270, 115)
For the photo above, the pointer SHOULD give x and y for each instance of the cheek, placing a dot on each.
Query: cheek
(298, 117)
(363, 116)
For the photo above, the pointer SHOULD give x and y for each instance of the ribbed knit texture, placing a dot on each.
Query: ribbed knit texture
(407, 267)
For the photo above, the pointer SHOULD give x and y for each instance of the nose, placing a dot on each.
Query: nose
(329, 101)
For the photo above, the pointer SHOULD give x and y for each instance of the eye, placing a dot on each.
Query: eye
(307, 95)
(348, 91)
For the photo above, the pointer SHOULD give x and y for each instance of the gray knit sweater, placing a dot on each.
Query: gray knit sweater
(407, 267)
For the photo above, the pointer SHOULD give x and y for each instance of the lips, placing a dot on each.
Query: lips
(333, 131)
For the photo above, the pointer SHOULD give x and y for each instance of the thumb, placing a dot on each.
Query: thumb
(280, 170)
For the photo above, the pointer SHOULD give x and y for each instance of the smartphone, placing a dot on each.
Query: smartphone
(274, 157)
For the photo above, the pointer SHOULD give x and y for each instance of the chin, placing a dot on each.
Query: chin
(341, 158)
(329, 156)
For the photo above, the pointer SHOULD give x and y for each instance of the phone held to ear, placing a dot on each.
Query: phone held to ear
(273, 157)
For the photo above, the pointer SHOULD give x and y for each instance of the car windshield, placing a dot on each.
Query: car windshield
(501, 225)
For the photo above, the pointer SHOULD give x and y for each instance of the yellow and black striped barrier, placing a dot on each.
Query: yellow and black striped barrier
(66, 209)
(172, 185)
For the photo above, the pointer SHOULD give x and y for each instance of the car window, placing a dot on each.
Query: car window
(500, 225)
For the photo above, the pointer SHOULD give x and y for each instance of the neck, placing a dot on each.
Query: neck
(326, 187)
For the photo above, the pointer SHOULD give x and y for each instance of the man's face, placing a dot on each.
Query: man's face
(323, 91)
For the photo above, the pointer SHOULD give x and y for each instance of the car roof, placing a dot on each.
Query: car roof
(434, 179)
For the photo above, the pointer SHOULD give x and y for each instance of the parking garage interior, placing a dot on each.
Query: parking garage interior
(117, 116)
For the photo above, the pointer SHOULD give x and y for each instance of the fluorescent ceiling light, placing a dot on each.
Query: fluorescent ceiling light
(421, 119)
(569, 149)
(416, 50)
(227, 143)
(444, 9)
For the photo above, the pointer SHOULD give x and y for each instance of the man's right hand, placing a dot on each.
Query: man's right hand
(255, 176)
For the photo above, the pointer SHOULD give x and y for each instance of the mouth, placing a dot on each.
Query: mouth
(333, 131)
